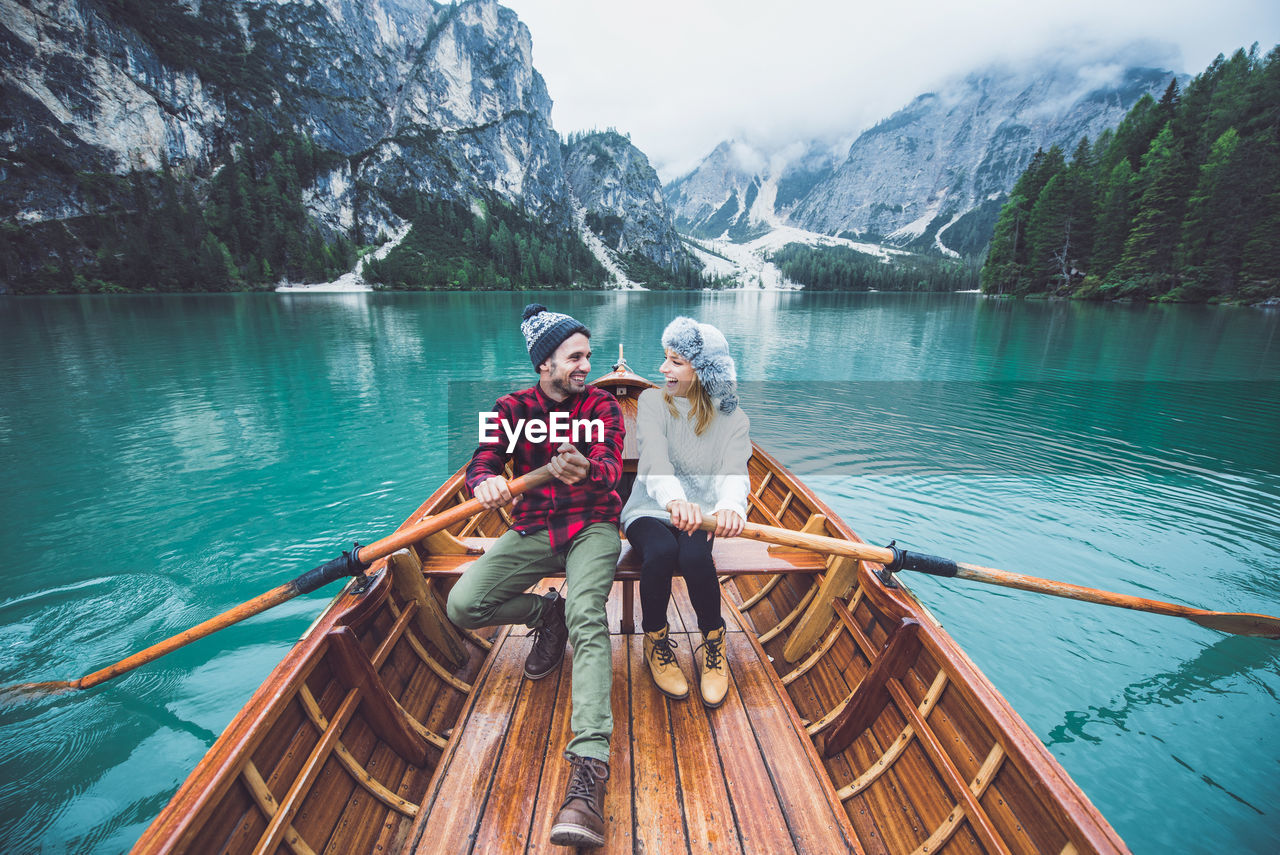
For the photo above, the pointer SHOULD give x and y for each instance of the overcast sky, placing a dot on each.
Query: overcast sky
(681, 75)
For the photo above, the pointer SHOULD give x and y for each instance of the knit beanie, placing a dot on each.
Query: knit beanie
(545, 330)
(707, 351)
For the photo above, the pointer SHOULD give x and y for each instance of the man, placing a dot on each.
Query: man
(569, 524)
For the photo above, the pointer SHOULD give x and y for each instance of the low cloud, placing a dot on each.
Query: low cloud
(682, 77)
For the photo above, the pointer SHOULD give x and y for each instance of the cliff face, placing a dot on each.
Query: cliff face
(414, 95)
(405, 97)
(622, 200)
(740, 189)
(947, 153)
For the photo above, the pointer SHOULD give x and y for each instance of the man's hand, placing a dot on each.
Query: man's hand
(493, 492)
(685, 516)
(570, 465)
(728, 523)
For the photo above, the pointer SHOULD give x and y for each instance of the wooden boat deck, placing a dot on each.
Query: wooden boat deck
(756, 785)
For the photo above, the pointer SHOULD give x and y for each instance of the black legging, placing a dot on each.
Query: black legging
(664, 551)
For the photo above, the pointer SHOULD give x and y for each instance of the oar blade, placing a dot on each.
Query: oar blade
(1239, 623)
(25, 691)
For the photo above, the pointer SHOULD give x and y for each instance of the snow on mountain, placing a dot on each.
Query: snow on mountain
(946, 159)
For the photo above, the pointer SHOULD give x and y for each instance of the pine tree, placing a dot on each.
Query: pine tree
(1115, 217)
(1146, 267)
(1212, 238)
(1049, 237)
(1008, 269)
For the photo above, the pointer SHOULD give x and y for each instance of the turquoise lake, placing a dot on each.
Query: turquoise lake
(166, 458)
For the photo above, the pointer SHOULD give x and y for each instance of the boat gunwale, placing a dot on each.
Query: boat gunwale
(1022, 746)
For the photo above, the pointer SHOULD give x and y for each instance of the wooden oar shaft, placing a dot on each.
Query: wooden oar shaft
(1005, 579)
(815, 542)
(1241, 623)
(245, 610)
(303, 584)
(444, 519)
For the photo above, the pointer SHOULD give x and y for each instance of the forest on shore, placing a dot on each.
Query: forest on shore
(1181, 202)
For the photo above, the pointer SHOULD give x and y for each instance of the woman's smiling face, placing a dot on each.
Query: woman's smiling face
(679, 374)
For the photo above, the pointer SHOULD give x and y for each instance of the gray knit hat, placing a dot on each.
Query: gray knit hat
(545, 330)
(708, 352)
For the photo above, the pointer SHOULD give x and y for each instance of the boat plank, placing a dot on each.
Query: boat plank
(659, 820)
(365, 818)
(235, 819)
(555, 771)
(708, 812)
(761, 824)
(815, 818)
(508, 814)
(1024, 832)
(618, 814)
(457, 804)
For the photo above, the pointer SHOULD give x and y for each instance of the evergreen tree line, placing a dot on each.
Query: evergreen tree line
(453, 248)
(1180, 202)
(687, 277)
(151, 232)
(840, 268)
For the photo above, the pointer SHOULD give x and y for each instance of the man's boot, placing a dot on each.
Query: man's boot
(580, 821)
(549, 639)
(713, 670)
(663, 666)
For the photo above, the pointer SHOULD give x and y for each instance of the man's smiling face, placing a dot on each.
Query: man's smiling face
(565, 373)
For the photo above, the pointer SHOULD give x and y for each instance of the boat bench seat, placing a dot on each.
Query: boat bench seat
(733, 557)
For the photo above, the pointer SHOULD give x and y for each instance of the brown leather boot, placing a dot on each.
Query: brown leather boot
(580, 821)
(549, 639)
(713, 670)
(663, 666)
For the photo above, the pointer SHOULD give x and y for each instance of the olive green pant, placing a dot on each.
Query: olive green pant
(492, 591)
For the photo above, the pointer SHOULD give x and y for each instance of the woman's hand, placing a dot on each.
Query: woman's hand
(685, 516)
(728, 523)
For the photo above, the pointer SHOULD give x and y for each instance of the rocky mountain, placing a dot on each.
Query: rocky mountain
(622, 203)
(742, 190)
(400, 99)
(933, 174)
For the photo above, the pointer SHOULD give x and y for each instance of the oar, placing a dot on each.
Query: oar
(894, 559)
(351, 563)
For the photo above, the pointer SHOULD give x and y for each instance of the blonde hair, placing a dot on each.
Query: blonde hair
(701, 408)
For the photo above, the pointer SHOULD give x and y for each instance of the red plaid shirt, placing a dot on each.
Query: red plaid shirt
(563, 509)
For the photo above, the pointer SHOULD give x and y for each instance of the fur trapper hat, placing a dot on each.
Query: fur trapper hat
(707, 351)
(545, 330)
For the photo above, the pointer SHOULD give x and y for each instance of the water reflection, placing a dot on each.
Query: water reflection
(1206, 673)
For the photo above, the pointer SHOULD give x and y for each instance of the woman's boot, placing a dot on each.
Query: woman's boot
(663, 666)
(713, 669)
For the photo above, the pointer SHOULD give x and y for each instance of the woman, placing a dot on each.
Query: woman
(694, 444)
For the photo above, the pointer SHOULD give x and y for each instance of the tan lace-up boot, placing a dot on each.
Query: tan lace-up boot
(663, 666)
(713, 669)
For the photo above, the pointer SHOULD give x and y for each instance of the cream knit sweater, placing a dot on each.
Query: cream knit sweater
(676, 463)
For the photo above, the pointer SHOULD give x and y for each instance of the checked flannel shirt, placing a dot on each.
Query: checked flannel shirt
(562, 509)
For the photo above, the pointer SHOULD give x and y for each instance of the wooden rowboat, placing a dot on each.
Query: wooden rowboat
(854, 722)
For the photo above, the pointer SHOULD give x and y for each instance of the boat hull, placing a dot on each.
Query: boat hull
(851, 691)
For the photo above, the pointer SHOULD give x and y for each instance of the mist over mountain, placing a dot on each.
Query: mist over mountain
(939, 166)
